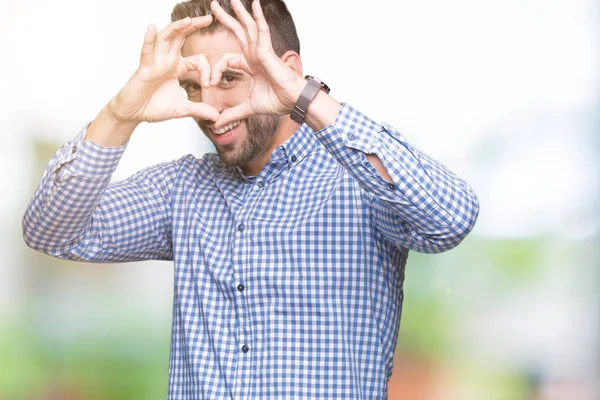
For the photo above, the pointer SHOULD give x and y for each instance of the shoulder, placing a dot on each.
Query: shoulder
(190, 164)
(167, 173)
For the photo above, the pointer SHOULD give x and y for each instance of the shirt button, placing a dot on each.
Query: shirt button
(261, 184)
(294, 158)
(241, 227)
(352, 136)
(245, 348)
(240, 287)
(74, 149)
(391, 186)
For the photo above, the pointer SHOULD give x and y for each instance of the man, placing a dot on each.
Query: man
(290, 244)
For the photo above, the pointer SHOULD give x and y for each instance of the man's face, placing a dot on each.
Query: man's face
(247, 139)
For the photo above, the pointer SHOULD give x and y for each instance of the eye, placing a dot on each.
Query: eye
(228, 80)
(191, 88)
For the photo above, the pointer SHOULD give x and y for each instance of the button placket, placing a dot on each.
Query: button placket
(244, 364)
(243, 232)
(244, 331)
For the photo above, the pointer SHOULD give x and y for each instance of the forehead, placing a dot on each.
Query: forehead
(214, 45)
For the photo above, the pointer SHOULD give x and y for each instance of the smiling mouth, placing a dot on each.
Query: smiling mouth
(226, 129)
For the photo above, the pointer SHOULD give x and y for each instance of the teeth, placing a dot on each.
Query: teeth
(226, 128)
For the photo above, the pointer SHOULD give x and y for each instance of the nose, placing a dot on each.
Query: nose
(213, 96)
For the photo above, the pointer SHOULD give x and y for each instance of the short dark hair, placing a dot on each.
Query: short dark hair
(279, 19)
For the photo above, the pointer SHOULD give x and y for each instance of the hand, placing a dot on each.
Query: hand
(153, 93)
(276, 86)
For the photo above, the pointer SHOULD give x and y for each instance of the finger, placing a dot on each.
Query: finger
(246, 20)
(197, 110)
(175, 28)
(148, 47)
(230, 23)
(259, 17)
(237, 113)
(177, 36)
(180, 29)
(197, 23)
(200, 63)
(229, 60)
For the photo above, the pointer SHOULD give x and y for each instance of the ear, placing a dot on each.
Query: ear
(293, 60)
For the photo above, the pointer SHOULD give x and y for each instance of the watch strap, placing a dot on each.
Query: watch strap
(306, 97)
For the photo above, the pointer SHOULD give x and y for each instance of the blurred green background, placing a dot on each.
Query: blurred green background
(506, 93)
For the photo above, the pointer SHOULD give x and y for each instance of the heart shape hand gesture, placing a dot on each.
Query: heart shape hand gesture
(154, 94)
(276, 86)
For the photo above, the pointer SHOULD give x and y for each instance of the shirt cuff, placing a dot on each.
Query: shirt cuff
(85, 157)
(353, 135)
(351, 128)
(349, 138)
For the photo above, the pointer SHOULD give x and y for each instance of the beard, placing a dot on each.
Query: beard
(260, 130)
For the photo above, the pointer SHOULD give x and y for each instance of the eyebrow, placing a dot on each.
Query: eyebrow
(234, 72)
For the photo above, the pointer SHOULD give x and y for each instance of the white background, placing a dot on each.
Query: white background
(504, 92)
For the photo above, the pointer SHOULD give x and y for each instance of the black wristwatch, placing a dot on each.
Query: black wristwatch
(313, 85)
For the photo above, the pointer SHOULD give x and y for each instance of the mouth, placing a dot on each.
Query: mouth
(226, 129)
(226, 134)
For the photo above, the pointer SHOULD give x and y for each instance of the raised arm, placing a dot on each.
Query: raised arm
(74, 212)
(414, 201)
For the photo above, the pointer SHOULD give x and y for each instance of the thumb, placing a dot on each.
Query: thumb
(197, 110)
(234, 114)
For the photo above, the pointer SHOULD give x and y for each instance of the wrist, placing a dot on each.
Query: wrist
(297, 88)
(109, 130)
(322, 111)
(118, 114)
(313, 104)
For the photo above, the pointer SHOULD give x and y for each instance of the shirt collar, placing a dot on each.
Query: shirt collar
(288, 154)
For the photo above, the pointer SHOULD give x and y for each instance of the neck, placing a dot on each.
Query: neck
(285, 130)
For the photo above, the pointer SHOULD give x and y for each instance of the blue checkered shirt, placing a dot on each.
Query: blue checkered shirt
(287, 284)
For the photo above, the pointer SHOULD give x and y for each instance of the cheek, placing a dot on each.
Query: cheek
(234, 96)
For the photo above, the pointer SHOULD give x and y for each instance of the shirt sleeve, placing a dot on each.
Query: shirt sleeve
(77, 214)
(427, 208)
